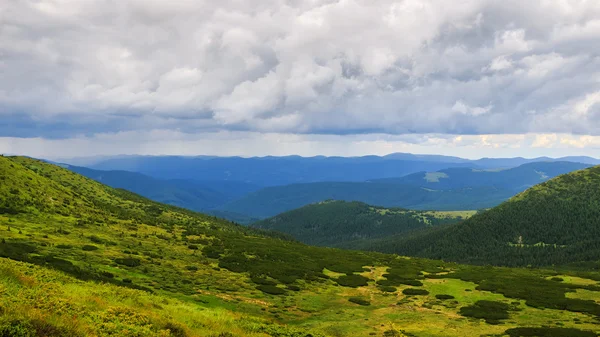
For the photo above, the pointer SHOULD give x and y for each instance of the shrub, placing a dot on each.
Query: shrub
(193, 247)
(352, 280)
(191, 268)
(62, 231)
(548, 332)
(223, 334)
(414, 283)
(61, 246)
(444, 297)
(175, 330)
(89, 248)
(491, 311)
(16, 250)
(126, 280)
(359, 301)
(388, 289)
(413, 291)
(26, 328)
(106, 274)
(270, 289)
(263, 281)
(96, 239)
(557, 279)
(396, 280)
(293, 287)
(213, 252)
(199, 241)
(128, 261)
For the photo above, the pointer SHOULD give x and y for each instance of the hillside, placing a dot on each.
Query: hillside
(556, 222)
(335, 223)
(201, 196)
(100, 261)
(186, 194)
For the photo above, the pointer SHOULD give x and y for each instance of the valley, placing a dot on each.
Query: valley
(254, 196)
(181, 273)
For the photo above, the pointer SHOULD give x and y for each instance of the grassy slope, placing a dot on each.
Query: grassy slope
(202, 276)
(54, 304)
(335, 223)
(555, 222)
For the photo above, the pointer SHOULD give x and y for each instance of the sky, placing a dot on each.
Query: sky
(314, 77)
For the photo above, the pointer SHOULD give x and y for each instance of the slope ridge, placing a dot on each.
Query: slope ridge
(334, 223)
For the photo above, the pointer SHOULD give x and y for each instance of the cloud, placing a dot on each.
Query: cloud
(252, 143)
(477, 67)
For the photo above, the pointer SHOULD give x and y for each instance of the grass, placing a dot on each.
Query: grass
(33, 297)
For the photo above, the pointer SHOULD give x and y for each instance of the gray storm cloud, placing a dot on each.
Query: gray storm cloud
(328, 67)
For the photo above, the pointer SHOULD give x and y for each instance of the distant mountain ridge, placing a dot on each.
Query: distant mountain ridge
(518, 178)
(460, 189)
(277, 171)
(448, 189)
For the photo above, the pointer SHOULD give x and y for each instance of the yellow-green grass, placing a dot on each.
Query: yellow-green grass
(31, 293)
(327, 309)
(575, 280)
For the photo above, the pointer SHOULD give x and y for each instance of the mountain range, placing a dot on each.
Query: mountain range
(276, 171)
(243, 202)
(449, 189)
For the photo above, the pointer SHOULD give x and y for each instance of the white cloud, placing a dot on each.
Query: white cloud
(71, 67)
(244, 143)
(465, 109)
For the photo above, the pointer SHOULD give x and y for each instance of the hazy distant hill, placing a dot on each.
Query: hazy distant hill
(277, 171)
(517, 178)
(194, 195)
(273, 171)
(274, 200)
(451, 189)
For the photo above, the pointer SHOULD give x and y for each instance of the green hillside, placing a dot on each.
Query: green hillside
(78, 258)
(556, 222)
(335, 223)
